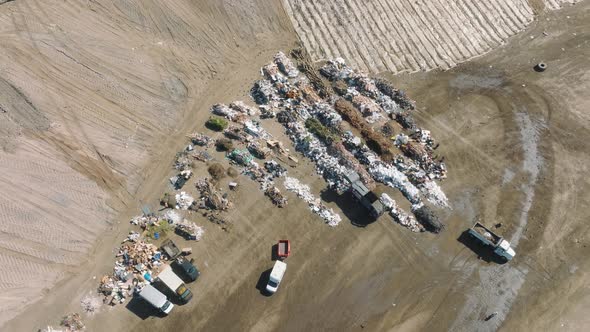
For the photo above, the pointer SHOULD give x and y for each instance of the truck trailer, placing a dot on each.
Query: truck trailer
(175, 284)
(496, 243)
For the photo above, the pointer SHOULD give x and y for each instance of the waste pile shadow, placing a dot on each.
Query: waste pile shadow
(172, 297)
(483, 252)
(262, 282)
(352, 209)
(142, 309)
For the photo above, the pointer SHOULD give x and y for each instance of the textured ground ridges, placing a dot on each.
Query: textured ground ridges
(556, 4)
(89, 93)
(403, 35)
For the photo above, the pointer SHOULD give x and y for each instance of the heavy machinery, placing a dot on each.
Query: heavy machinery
(366, 197)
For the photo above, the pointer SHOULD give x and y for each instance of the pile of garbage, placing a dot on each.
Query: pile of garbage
(184, 201)
(144, 220)
(73, 322)
(276, 196)
(315, 204)
(380, 171)
(400, 215)
(203, 156)
(180, 179)
(240, 106)
(211, 198)
(133, 265)
(255, 129)
(240, 157)
(182, 161)
(190, 230)
(286, 65)
(90, 304)
(201, 139)
(274, 168)
(258, 150)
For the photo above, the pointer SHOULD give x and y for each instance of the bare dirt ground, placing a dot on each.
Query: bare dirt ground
(92, 93)
(515, 143)
(406, 36)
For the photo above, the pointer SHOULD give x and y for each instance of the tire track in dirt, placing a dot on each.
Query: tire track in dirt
(113, 79)
(436, 34)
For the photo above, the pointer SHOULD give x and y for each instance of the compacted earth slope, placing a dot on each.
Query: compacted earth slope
(89, 93)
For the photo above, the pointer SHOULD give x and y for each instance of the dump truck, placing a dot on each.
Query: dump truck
(367, 198)
(170, 249)
(175, 284)
(156, 299)
(276, 276)
(500, 247)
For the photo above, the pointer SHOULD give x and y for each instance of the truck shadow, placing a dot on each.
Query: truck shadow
(142, 309)
(172, 297)
(274, 252)
(262, 282)
(352, 209)
(483, 252)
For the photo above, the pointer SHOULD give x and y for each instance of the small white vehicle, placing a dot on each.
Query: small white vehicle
(157, 299)
(276, 275)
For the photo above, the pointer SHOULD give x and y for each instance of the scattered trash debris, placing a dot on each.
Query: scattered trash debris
(184, 201)
(189, 230)
(315, 205)
(91, 304)
(276, 197)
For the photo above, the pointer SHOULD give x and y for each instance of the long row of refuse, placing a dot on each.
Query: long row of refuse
(315, 129)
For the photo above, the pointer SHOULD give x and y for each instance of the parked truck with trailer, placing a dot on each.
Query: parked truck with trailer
(154, 297)
(496, 243)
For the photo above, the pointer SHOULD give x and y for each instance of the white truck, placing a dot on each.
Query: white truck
(276, 275)
(157, 299)
(174, 283)
(497, 243)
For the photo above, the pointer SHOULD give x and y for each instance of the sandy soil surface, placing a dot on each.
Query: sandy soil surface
(515, 143)
(406, 36)
(91, 94)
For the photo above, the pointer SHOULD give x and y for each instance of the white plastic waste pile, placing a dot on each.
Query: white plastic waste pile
(184, 201)
(303, 191)
(387, 202)
(326, 114)
(389, 175)
(172, 216)
(241, 107)
(191, 227)
(434, 194)
(264, 92)
(223, 110)
(407, 220)
(91, 304)
(399, 215)
(286, 65)
(271, 71)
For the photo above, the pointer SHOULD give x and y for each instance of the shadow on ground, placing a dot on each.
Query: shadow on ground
(483, 252)
(142, 309)
(352, 209)
(262, 281)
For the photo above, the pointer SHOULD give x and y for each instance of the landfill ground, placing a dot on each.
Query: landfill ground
(516, 147)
